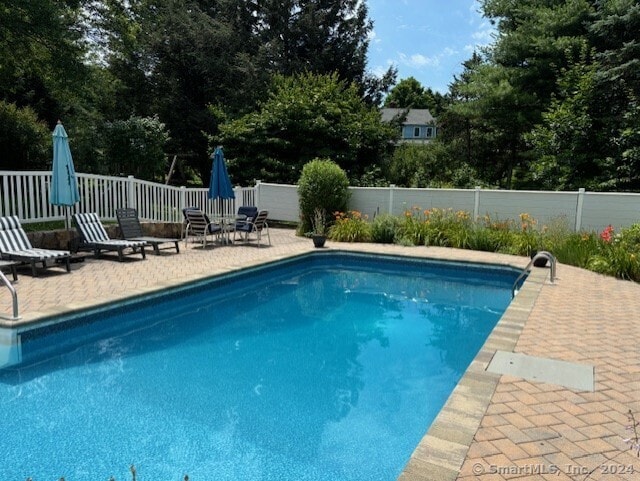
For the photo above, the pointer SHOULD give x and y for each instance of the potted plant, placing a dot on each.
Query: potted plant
(318, 227)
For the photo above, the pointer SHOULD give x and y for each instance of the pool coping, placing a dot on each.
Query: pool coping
(442, 451)
(37, 319)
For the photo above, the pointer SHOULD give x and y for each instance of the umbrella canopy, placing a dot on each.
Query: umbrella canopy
(220, 185)
(64, 185)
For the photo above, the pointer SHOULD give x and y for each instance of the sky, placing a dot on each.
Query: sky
(425, 39)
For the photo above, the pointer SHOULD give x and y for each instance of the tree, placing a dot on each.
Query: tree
(317, 36)
(567, 141)
(589, 137)
(615, 36)
(486, 120)
(502, 99)
(137, 147)
(409, 93)
(25, 141)
(42, 52)
(305, 116)
(429, 165)
(196, 63)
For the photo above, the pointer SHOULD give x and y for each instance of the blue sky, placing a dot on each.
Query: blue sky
(425, 39)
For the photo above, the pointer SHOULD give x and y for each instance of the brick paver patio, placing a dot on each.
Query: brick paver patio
(493, 427)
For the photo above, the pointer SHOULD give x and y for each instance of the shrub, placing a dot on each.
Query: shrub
(574, 249)
(322, 185)
(616, 260)
(617, 255)
(383, 228)
(630, 237)
(484, 239)
(412, 229)
(435, 227)
(350, 227)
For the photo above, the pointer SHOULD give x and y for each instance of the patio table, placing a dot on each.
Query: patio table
(228, 224)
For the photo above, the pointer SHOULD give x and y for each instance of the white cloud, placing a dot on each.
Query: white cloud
(418, 60)
(484, 35)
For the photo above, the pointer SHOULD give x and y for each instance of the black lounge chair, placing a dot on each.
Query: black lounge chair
(94, 237)
(132, 230)
(15, 245)
(255, 226)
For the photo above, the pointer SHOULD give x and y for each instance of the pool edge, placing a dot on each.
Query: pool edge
(55, 314)
(441, 452)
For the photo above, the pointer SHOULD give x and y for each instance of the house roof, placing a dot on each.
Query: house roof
(414, 116)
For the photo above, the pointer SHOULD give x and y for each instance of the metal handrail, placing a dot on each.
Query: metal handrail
(14, 296)
(540, 255)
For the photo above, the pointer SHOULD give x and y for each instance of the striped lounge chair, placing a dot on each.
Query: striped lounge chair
(15, 245)
(94, 237)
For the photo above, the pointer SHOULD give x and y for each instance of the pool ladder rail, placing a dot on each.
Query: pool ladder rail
(14, 297)
(540, 255)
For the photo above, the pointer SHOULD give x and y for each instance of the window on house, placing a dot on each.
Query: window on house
(429, 131)
(416, 131)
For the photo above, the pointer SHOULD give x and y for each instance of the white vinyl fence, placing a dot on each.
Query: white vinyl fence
(26, 194)
(580, 210)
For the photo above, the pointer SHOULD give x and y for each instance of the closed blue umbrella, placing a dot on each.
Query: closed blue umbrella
(220, 184)
(64, 184)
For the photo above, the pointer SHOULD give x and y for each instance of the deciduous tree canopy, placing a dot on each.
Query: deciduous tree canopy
(552, 103)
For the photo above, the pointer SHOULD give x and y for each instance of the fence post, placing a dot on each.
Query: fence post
(476, 203)
(131, 196)
(257, 193)
(579, 205)
(183, 199)
(237, 191)
(391, 187)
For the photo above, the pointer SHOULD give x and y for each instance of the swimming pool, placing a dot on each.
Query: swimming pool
(318, 368)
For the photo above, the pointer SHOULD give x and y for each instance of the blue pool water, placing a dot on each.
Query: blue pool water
(328, 367)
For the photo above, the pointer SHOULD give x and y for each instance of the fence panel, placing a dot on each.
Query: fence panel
(618, 209)
(280, 200)
(370, 201)
(27, 196)
(155, 202)
(456, 199)
(543, 206)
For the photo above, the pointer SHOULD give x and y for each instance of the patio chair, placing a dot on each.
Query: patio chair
(94, 237)
(248, 212)
(199, 226)
(256, 226)
(15, 245)
(132, 230)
